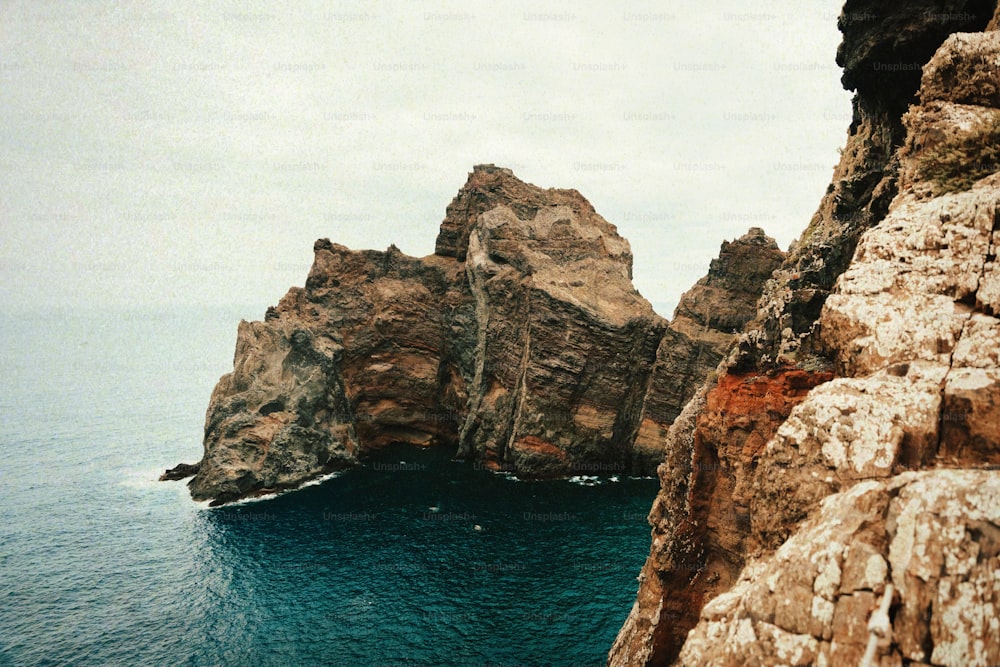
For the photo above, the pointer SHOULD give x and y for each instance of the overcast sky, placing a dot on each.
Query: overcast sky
(172, 153)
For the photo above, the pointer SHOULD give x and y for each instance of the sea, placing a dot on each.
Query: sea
(411, 559)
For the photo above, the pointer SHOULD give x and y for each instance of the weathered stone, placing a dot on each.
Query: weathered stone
(521, 343)
(865, 569)
(701, 518)
(940, 530)
(988, 294)
(179, 471)
(566, 343)
(706, 318)
(970, 417)
(964, 70)
(279, 418)
(846, 430)
(904, 297)
(850, 627)
(944, 562)
(884, 40)
(884, 43)
(911, 324)
(801, 581)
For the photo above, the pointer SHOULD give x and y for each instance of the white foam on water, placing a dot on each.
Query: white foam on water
(506, 474)
(148, 480)
(316, 481)
(250, 501)
(142, 479)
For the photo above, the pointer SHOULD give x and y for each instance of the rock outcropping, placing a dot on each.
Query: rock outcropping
(521, 343)
(701, 331)
(884, 46)
(833, 497)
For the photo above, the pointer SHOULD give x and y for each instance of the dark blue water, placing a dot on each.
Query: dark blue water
(413, 559)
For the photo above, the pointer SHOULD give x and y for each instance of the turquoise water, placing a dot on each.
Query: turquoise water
(413, 559)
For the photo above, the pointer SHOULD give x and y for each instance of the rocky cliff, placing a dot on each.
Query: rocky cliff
(520, 343)
(701, 331)
(832, 497)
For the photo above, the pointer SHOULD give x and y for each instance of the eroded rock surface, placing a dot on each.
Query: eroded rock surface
(565, 344)
(521, 343)
(933, 535)
(884, 44)
(781, 507)
(701, 331)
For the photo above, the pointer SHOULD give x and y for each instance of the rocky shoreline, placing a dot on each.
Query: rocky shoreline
(825, 423)
(521, 344)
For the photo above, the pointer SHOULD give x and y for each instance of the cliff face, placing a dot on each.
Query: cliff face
(834, 492)
(701, 331)
(520, 343)
(564, 344)
(884, 46)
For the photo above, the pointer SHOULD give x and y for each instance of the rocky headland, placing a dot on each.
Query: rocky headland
(521, 344)
(826, 423)
(832, 496)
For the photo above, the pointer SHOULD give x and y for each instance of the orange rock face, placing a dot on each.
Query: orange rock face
(703, 551)
(742, 413)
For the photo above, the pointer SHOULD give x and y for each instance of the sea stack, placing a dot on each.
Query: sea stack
(521, 343)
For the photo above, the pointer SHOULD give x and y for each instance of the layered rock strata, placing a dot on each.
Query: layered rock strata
(842, 505)
(701, 331)
(521, 343)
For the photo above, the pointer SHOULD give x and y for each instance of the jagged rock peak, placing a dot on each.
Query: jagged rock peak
(498, 222)
(489, 186)
(757, 235)
(705, 322)
(521, 343)
(726, 298)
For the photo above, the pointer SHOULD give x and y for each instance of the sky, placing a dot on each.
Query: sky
(164, 154)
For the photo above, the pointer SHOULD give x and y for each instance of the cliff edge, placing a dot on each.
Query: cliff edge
(833, 496)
